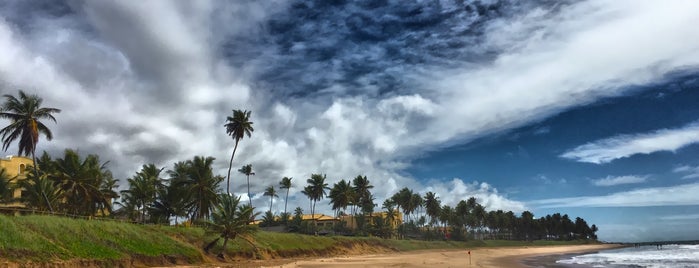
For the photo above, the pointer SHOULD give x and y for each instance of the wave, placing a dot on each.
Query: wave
(645, 256)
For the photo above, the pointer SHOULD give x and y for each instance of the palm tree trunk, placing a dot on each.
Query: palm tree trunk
(286, 200)
(211, 245)
(230, 166)
(225, 242)
(249, 199)
(271, 199)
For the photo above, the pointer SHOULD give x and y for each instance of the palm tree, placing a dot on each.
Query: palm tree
(341, 196)
(285, 184)
(237, 126)
(171, 201)
(24, 115)
(144, 187)
(362, 187)
(230, 220)
(317, 190)
(6, 191)
(247, 170)
(198, 180)
(272, 193)
(36, 190)
(432, 206)
(85, 183)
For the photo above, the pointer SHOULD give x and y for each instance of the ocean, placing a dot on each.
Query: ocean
(644, 256)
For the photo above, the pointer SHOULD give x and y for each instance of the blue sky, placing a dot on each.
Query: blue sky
(579, 107)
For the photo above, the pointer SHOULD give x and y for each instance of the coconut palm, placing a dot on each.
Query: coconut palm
(237, 126)
(84, 182)
(432, 206)
(25, 114)
(362, 187)
(272, 193)
(317, 190)
(171, 201)
(198, 180)
(230, 220)
(341, 196)
(247, 170)
(143, 188)
(285, 184)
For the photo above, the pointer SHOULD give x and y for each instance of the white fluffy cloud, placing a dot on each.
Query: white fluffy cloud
(609, 149)
(612, 180)
(150, 82)
(645, 197)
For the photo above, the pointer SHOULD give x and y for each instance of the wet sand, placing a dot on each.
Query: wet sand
(481, 257)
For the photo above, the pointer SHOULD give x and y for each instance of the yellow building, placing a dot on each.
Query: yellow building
(324, 222)
(15, 167)
(351, 220)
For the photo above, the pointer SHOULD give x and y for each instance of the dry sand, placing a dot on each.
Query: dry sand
(481, 257)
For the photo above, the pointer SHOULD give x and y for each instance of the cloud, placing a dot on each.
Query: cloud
(679, 195)
(690, 171)
(622, 146)
(346, 89)
(611, 180)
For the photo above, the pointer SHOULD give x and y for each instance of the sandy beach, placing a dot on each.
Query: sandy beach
(481, 257)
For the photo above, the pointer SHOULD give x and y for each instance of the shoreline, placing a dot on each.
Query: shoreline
(547, 256)
(479, 257)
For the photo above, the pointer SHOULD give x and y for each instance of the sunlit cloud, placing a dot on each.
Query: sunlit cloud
(618, 180)
(622, 146)
(678, 195)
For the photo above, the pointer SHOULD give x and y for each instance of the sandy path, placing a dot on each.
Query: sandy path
(481, 257)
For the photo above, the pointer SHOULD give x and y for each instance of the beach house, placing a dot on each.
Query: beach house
(16, 168)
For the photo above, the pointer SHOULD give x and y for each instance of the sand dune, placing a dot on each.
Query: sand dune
(481, 257)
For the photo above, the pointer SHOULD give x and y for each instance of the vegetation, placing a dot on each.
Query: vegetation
(77, 185)
(51, 238)
(25, 114)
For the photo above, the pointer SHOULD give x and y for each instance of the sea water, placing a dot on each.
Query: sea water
(644, 256)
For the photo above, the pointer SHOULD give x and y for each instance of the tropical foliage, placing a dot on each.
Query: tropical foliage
(230, 220)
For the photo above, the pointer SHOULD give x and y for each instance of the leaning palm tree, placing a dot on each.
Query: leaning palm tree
(247, 170)
(272, 193)
(285, 184)
(25, 114)
(230, 220)
(237, 126)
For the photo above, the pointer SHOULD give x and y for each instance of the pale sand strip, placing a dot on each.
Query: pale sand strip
(481, 257)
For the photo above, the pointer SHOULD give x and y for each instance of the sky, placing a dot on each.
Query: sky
(587, 108)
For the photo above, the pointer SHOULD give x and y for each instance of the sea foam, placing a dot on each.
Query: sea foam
(645, 256)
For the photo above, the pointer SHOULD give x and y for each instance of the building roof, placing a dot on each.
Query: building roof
(318, 217)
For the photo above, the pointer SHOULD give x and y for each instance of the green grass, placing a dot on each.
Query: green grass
(49, 238)
(42, 238)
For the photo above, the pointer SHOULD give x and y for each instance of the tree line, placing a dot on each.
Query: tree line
(190, 190)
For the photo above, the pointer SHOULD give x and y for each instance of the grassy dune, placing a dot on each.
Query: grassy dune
(42, 239)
